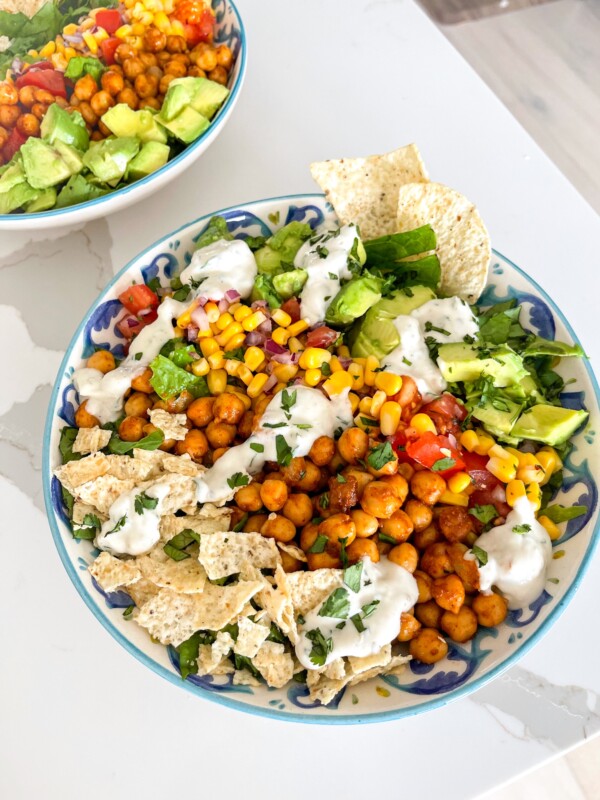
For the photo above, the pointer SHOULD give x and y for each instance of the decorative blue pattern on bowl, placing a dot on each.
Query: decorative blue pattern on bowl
(421, 687)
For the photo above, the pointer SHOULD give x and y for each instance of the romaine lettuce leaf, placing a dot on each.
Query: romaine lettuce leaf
(168, 380)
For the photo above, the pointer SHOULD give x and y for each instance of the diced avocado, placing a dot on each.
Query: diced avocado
(77, 190)
(551, 425)
(289, 284)
(499, 421)
(187, 125)
(72, 157)
(462, 362)
(43, 164)
(124, 121)
(17, 197)
(68, 127)
(109, 158)
(46, 199)
(208, 97)
(151, 157)
(12, 174)
(267, 260)
(263, 290)
(282, 247)
(354, 299)
(177, 98)
(526, 388)
(376, 334)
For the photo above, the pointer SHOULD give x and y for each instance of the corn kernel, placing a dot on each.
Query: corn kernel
(253, 358)
(183, 320)
(388, 382)
(178, 332)
(484, 443)
(343, 351)
(422, 423)
(279, 387)
(255, 386)
(161, 21)
(365, 405)
(551, 528)
(354, 401)
(458, 482)
(231, 330)
(101, 35)
(48, 49)
(335, 364)
(244, 374)
(233, 308)
(241, 313)
(497, 451)
(548, 458)
(177, 28)
(217, 381)
(534, 495)
(231, 366)
(312, 377)
(358, 375)
(70, 53)
(224, 321)
(91, 42)
(502, 469)
(468, 440)
(60, 45)
(138, 29)
(237, 340)
(313, 357)
(59, 62)
(285, 372)
(517, 454)
(377, 401)
(252, 322)
(514, 490)
(371, 365)
(70, 29)
(296, 328)
(531, 473)
(366, 424)
(208, 347)
(389, 417)
(216, 360)
(337, 383)
(281, 317)
(200, 367)
(280, 336)
(295, 345)
(454, 499)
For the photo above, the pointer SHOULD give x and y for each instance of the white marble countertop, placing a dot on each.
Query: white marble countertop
(79, 716)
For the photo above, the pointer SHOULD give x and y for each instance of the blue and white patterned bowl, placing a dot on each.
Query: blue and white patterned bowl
(229, 30)
(421, 687)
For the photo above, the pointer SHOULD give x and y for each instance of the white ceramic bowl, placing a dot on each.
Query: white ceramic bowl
(229, 30)
(420, 688)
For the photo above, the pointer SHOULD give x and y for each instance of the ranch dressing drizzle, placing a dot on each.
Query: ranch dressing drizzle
(396, 591)
(326, 262)
(298, 424)
(517, 561)
(221, 266)
(445, 321)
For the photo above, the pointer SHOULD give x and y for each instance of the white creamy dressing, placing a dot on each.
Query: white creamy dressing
(451, 315)
(326, 262)
(517, 562)
(135, 533)
(395, 589)
(310, 416)
(221, 266)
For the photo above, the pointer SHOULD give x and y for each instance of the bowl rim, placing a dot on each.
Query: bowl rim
(124, 190)
(233, 702)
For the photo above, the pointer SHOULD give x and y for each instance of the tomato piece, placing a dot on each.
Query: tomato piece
(51, 80)
(138, 298)
(490, 497)
(129, 326)
(109, 19)
(447, 413)
(430, 448)
(322, 337)
(292, 307)
(198, 21)
(13, 144)
(107, 48)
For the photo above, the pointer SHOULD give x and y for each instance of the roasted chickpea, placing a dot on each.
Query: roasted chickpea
(279, 528)
(183, 58)
(196, 72)
(362, 478)
(129, 97)
(150, 102)
(175, 68)
(366, 524)
(123, 52)
(322, 451)
(338, 527)
(324, 560)
(228, 407)
(308, 535)
(206, 58)
(388, 469)
(88, 114)
(429, 613)
(162, 57)
(83, 419)
(455, 523)
(380, 500)
(137, 405)
(179, 403)
(132, 67)
(154, 40)
(491, 609)
(112, 82)
(290, 563)
(274, 494)
(146, 86)
(311, 479)
(405, 555)
(361, 548)
(43, 96)
(9, 94)
(168, 444)
(428, 646)
(201, 411)
(406, 470)
(449, 593)
(420, 514)
(194, 444)
(408, 396)
(224, 56)
(436, 562)
(461, 626)
(27, 96)
(298, 509)
(245, 425)
(9, 115)
(164, 82)
(353, 445)
(39, 110)
(148, 59)
(220, 434)
(409, 625)
(254, 523)
(176, 44)
(131, 429)
(399, 526)
(216, 454)
(103, 129)
(431, 535)
(398, 485)
(218, 75)
(294, 471)
(155, 72)
(85, 88)
(424, 584)
(466, 569)
(427, 486)
(141, 383)
(28, 125)
(101, 102)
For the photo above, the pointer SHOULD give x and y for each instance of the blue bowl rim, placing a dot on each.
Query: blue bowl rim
(342, 719)
(219, 121)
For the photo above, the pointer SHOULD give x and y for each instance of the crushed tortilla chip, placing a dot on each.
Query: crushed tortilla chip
(277, 602)
(250, 637)
(241, 677)
(170, 525)
(141, 591)
(81, 510)
(187, 576)
(112, 573)
(219, 605)
(309, 589)
(169, 616)
(211, 656)
(322, 688)
(103, 491)
(362, 664)
(76, 473)
(173, 426)
(224, 553)
(293, 551)
(90, 440)
(274, 664)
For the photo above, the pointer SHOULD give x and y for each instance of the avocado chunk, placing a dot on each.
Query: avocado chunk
(43, 164)
(109, 158)
(151, 157)
(60, 125)
(78, 189)
(45, 199)
(203, 95)
(17, 196)
(376, 334)
(72, 157)
(263, 290)
(187, 125)
(354, 299)
(177, 98)
(500, 419)
(11, 175)
(462, 362)
(282, 247)
(124, 121)
(289, 284)
(551, 425)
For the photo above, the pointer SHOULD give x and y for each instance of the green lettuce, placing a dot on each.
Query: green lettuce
(217, 229)
(168, 380)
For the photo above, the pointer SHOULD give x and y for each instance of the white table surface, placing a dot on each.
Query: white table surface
(79, 717)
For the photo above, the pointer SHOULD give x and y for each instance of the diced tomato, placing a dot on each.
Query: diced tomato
(476, 466)
(129, 326)
(292, 307)
(44, 77)
(430, 448)
(447, 413)
(109, 19)
(13, 144)
(322, 337)
(108, 47)
(492, 497)
(198, 21)
(138, 298)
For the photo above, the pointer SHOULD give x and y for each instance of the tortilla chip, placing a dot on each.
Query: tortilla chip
(182, 465)
(90, 440)
(277, 602)
(181, 493)
(77, 473)
(274, 664)
(169, 616)
(365, 190)
(170, 525)
(293, 551)
(309, 589)
(397, 665)
(463, 243)
(241, 677)
(186, 576)
(361, 664)
(141, 591)
(250, 637)
(103, 491)
(172, 425)
(322, 688)
(224, 553)
(211, 656)
(81, 510)
(127, 468)
(219, 605)
(111, 572)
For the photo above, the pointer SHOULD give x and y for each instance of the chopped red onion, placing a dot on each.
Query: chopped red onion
(232, 295)
(202, 300)
(192, 335)
(271, 382)
(286, 357)
(266, 326)
(272, 348)
(200, 318)
(499, 494)
(345, 362)
(75, 38)
(261, 304)
(223, 305)
(255, 339)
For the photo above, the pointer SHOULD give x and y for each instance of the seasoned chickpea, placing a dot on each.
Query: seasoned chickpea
(88, 114)
(279, 528)
(83, 419)
(194, 444)
(183, 58)
(380, 500)
(366, 524)
(322, 451)
(399, 526)
(154, 40)
(398, 484)
(179, 404)
(361, 548)
(101, 102)
(129, 97)
(460, 627)
(405, 555)
(449, 593)
(131, 429)
(85, 88)
(420, 514)
(164, 82)
(424, 584)
(431, 535)
(290, 563)
(123, 52)
(220, 434)
(220, 451)
(312, 478)
(137, 404)
(455, 523)
(27, 96)
(150, 102)
(245, 425)
(148, 59)
(274, 494)
(176, 44)
(39, 110)
(201, 411)
(409, 625)
(254, 523)
(141, 383)
(224, 56)
(408, 396)
(491, 609)
(132, 67)
(353, 445)
(112, 82)
(338, 527)
(406, 470)
(427, 486)
(466, 569)
(428, 646)
(298, 509)
(9, 94)
(175, 68)
(324, 560)
(196, 72)
(156, 72)
(362, 478)
(308, 536)
(436, 562)
(206, 59)
(229, 408)
(388, 469)
(294, 471)
(167, 445)
(218, 75)
(146, 86)
(9, 115)
(429, 613)
(103, 129)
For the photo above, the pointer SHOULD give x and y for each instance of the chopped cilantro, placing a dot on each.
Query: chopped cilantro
(443, 464)
(144, 502)
(92, 521)
(429, 326)
(369, 608)
(384, 537)
(352, 576)
(128, 612)
(238, 479)
(525, 528)
(121, 522)
(480, 554)
(257, 447)
(380, 456)
(324, 500)
(284, 451)
(321, 646)
(406, 361)
(337, 605)
(288, 399)
(319, 544)
(325, 369)
(358, 623)
(484, 514)
(238, 526)
(235, 355)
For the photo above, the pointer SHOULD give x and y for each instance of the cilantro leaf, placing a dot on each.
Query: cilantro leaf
(128, 612)
(143, 502)
(380, 456)
(288, 399)
(480, 554)
(352, 576)
(120, 524)
(284, 451)
(484, 514)
(442, 464)
(385, 537)
(188, 656)
(257, 447)
(358, 623)
(524, 528)
(370, 608)
(319, 544)
(150, 442)
(238, 479)
(337, 605)
(239, 526)
(321, 646)
(92, 521)
(65, 445)
(558, 513)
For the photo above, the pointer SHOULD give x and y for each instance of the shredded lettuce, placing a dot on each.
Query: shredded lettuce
(168, 380)
(82, 65)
